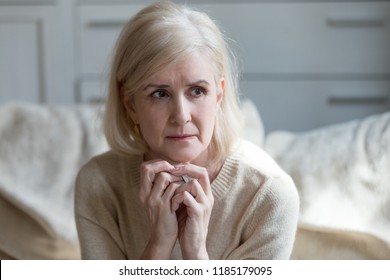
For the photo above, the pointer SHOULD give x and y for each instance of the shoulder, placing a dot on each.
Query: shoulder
(107, 160)
(98, 164)
(104, 183)
(272, 190)
(251, 160)
(261, 172)
(255, 158)
(107, 169)
(110, 162)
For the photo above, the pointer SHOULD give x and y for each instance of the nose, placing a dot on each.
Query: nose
(180, 111)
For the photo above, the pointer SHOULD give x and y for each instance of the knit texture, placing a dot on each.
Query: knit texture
(254, 215)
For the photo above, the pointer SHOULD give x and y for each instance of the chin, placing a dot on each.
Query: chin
(182, 157)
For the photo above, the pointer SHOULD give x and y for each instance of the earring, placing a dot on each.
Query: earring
(136, 130)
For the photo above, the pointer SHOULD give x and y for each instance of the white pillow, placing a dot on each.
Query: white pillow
(342, 173)
(254, 128)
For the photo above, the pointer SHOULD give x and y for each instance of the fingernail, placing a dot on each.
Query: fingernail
(177, 167)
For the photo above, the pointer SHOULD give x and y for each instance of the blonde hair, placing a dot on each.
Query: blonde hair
(158, 35)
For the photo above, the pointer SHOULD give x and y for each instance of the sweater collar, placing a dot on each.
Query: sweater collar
(225, 177)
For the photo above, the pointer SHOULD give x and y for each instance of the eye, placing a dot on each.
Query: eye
(158, 94)
(198, 92)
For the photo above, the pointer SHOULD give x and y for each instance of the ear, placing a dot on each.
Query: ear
(128, 103)
(221, 88)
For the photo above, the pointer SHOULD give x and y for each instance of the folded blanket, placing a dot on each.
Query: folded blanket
(41, 149)
(342, 173)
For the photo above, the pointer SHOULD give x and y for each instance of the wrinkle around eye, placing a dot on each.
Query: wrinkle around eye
(159, 94)
(198, 92)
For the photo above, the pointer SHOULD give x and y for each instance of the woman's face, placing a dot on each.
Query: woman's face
(176, 110)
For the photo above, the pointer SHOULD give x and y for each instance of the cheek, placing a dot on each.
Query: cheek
(207, 116)
(151, 124)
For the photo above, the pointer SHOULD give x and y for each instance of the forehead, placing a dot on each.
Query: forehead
(196, 66)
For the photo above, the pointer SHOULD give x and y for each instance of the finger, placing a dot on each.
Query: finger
(148, 173)
(196, 172)
(193, 189)
(189, 187)
(176, 201)
(197, 192)
(163, 180)
(190, 202)
(179, 195)
(149, 169)
(170, 191)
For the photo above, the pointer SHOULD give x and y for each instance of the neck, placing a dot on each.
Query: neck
(213, 170)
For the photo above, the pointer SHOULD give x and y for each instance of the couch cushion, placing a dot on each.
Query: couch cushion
(41, 150)
(254, 128)
(342, 173)
(24, 237)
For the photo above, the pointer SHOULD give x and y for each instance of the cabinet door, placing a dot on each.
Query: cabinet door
(308, 37)
(301, 38)
(27, 68)
(97, 30)
(303, 105)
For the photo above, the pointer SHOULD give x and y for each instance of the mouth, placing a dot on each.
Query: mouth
(181, 137)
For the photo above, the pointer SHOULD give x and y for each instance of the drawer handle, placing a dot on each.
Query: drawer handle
(358, 98)
(107, 24)
(355, 22)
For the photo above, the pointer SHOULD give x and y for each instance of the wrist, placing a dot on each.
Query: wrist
(158, 249)
(196, 254)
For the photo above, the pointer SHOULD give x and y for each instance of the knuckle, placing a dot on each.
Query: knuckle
(204, 171)
(151, 201)
(169, 191)
(174, 185)
(211, 200)
(144, 167)
(163, 176)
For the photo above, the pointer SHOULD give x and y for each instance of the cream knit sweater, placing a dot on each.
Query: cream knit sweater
(254, 215)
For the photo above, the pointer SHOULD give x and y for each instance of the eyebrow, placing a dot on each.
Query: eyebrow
(199, 82)
(155, 86)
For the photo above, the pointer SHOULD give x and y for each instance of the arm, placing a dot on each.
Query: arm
(273, 222)
(96, 243)
(97, 229)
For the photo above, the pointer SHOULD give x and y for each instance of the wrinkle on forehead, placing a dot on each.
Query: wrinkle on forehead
(182, 72)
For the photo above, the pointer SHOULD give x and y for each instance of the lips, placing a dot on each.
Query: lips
(180, 136)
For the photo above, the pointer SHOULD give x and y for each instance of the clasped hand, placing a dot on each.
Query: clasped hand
(176, 209)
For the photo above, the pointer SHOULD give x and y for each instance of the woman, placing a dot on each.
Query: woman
(178, 181)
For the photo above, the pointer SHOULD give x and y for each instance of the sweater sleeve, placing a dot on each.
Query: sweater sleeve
(273, 219)
(95, 242)
(96, 221)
